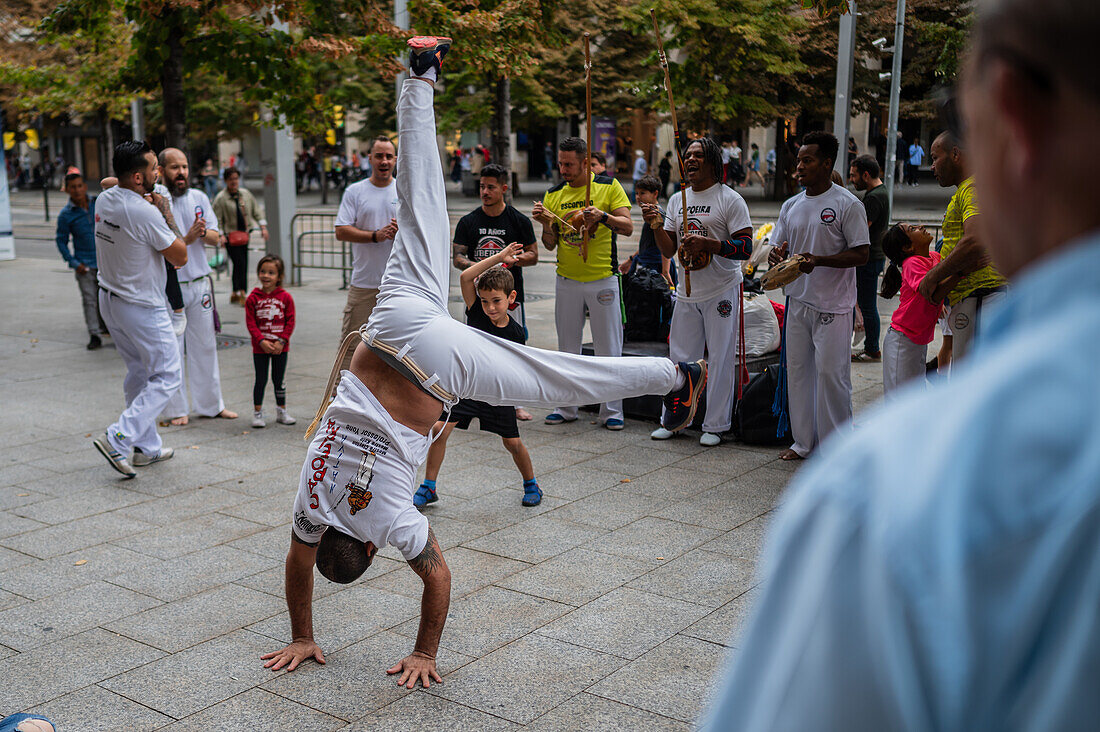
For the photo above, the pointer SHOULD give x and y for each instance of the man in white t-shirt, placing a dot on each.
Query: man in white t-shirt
(198, 348)
(133, 238)
(368, 220)
(827, 224)
(718, 224)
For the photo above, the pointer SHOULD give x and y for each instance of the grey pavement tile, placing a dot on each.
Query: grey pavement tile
(726, 506)
(700, 577)
(184, 506)
(451, 532)
(198, 677)
(552, 672)
(44, 621)
(685, 443)
(80, 504)
(22, 475)
(48, 672)
(470, 570)
(44, 577)
(576, 576)
(273, 581)
(551, 457)
(744, 542)
(578, 481)
(266, 511)
(10, 600)
(14, 496)
(6, 652)
(189, 536)
(610, 509)
(596, 714)
(634, 460)
(61, 539)
(182, 473)
(346, 617)
(270, 543)
(173, 579)
(353, 682)
(425, 711)
(624, 622)
(12, 525)
(675, 679)
(476, 481)
(198, 618)
(244, 452)
(256, 710)
(535, 540)
(281, 481)
(497, 509)
(724, 625)
(94, 709)
(490, 618)
(79, 461)
(651, 537)
(20, 454)
(9, 559)
(672, 483)
(599, 441)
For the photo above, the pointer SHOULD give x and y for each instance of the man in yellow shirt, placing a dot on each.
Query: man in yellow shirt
(590, 282)
(962, 251)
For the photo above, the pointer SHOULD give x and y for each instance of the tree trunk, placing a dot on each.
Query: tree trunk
(502, 128)
(778, 190)
(106, 144)
(171, 85)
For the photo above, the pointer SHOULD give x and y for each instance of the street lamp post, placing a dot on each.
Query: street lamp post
(845, 61)
(895, 96)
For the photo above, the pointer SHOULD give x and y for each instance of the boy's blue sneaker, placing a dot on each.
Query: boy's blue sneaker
(680, 404)
(532, 495)
(424, 495)
(555, 418)
(614, 424)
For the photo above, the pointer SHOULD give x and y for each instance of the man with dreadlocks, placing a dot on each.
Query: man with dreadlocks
(718, 225)
(412, 362)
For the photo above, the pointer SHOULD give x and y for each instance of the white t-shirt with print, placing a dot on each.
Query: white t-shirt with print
(359, 475)
(368, 207)
(130, 233)
(827, 224)
(717, 212)
(183, 211)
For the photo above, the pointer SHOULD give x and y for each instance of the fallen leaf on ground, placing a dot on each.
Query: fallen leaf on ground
(80, 562)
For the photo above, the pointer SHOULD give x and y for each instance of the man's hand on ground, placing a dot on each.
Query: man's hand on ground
(416, 666)
(294, 654)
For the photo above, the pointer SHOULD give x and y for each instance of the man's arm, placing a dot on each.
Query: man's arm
(299, 603)
(176, 252)
(63, 230)
(738, 246)
(528, 257)
(459, 256)
(968, 256)
(848, 258)
(420, 664)
(618, 220)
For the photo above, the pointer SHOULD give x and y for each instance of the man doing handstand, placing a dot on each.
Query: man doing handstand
(413, 362)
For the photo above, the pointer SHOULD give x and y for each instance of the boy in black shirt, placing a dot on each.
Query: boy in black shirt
(488, 291)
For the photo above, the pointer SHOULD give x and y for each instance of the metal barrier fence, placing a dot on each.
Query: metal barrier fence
(314, 246)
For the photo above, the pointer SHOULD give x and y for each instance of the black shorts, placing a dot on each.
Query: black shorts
(498, 420)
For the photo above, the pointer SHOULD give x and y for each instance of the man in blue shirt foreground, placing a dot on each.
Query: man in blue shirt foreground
(77, 220)
(940, 567)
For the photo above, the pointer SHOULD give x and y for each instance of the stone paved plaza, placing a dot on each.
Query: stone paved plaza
(146, 603)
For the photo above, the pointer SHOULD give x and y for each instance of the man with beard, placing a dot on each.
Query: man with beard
(133, 239)
(367, 219)
(194, 214)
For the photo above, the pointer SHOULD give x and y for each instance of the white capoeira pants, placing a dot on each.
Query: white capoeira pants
(710, 325)
(412, 303)
(199, 350)
(819, 373)
(965, 318)
(604, 313)
(902, 361)
(148, 347)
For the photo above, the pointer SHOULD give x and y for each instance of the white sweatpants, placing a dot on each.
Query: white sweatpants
(710, 325)
(199, 350)
(902, 361)
(604, 313)
(144, 339)
(965, 318)
(412, 303)
(819, 373)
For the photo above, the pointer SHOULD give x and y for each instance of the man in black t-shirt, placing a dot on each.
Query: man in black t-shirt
(488, 290)
(864, 175)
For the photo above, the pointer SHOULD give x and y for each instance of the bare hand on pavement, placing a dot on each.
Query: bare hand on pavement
(292, 655)
(416, 667)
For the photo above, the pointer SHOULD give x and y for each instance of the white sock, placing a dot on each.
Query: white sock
(680, 380)
(428, 75)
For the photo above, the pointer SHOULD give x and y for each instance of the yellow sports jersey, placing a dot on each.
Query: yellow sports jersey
(961, 207)
(563, 199)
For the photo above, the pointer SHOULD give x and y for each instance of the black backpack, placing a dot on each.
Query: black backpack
(648, 303)
(753, 421)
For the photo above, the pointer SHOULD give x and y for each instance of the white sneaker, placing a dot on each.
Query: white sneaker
(179, 322)
(141, 459)
(661, 434)
(709, 439)
(258, 420)
(282, 417)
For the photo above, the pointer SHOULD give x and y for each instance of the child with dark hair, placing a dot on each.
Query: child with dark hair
(648, 190)
(269, 316)
(913, 323)
(488, 290)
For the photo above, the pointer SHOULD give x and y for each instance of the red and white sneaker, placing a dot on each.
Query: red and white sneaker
(427, 52)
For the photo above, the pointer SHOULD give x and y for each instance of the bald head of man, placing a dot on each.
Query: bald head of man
(174, 170)
(1031, 105)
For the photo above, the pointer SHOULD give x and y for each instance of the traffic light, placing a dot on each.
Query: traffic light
(330, 137)
(31, 136)
(338, 115)
(9, 140)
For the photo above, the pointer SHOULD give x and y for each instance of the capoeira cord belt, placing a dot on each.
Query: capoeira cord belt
(397, 358)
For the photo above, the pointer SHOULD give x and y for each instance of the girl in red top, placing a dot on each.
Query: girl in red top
(914, 321)
(269, 315)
